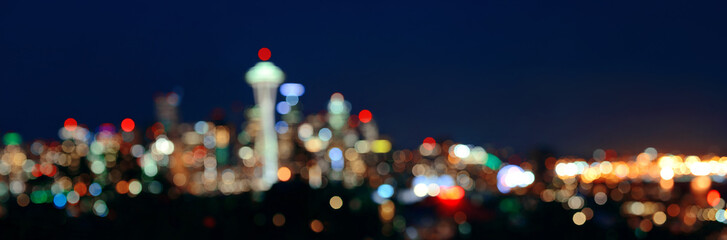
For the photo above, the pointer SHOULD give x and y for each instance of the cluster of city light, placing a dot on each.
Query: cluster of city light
(423, 186)
(195, 167)
(511, 176)
(100, 150)
(88, 168)
(645, 184)
(343, 146)
(205, 158)
(667, 167)
(342, 152)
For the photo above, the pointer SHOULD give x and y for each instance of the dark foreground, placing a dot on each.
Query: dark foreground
(251, 216)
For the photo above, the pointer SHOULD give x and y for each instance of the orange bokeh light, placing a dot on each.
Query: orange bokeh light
(316, 226)
(451, 193)
(122, 187)
(284, 174)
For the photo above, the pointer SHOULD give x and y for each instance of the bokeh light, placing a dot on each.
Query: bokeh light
(128, 125)
(336, 202)
(365, 116)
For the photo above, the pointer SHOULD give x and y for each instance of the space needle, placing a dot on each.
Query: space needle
(264, 78)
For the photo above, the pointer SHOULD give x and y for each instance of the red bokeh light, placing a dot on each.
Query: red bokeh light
(127, 125)
(429, 143)
(209, 222)
(80, 188)
(48, 169)
(264, 54)
(365, 116)
(70, 124)
(713, 197)
(36, 171)
(353, 121)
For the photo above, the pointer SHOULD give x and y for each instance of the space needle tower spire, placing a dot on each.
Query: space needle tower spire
(265, 78)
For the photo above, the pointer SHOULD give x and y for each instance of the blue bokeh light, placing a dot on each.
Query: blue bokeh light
(385, 191)
(94, 189)
(59, 200)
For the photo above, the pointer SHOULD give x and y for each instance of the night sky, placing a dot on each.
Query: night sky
(569, 75)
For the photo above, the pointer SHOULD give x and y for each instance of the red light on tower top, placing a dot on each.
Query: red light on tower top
(264, 54)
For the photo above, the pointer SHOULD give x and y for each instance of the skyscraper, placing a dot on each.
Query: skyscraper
(264, 78)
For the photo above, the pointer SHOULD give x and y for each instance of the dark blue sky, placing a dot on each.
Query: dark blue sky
(573, 75)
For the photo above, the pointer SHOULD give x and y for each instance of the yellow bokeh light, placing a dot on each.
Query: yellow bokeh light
(381, 146)
(659, 218)
(579, 218)
(336, 202)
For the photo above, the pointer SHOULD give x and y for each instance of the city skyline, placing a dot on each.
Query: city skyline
(410, 120)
